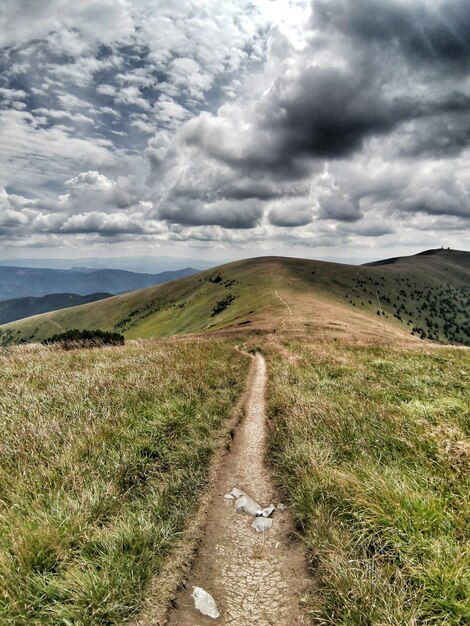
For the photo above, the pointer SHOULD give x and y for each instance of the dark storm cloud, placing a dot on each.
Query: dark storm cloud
(253, 152)
(291, 213)
(239, 215)
(359, 90)
(436, 136)
(339, 207)
(434, 33)
(328, 112)
(374, 83)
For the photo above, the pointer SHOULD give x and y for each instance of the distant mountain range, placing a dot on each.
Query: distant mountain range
(140, 264)
(18, 308)
(17, 282)
(423, 296)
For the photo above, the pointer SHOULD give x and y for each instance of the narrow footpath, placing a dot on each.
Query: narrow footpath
(284, 302)
(284, 320)
(254, 578)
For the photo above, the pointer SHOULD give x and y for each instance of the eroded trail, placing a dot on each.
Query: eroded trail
(255, 578)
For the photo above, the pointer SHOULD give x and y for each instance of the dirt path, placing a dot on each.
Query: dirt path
(284, 303)
(55, 323)
(255, 578)
(287, 306)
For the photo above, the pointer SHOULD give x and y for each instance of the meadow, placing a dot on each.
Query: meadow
(104, 453)
(371, 449)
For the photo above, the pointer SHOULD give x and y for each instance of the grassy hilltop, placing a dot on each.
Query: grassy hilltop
(427, 295)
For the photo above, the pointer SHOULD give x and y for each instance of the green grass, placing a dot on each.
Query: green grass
(103, 455)
(371, 447)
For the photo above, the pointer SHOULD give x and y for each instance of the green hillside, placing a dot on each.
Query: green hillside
(427, 295)
(430, 292)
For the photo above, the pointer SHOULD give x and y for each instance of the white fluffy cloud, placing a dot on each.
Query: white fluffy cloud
(69, 21)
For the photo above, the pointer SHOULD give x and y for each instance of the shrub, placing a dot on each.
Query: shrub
(85, 339)
(222, 304)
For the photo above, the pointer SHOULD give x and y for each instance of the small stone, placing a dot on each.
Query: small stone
(281, 507)
(261, 524)
(245, 504)
(237, 493)
(268, 511)
(228, 496)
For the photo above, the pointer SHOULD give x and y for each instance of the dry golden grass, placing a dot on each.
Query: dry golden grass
(103, 455)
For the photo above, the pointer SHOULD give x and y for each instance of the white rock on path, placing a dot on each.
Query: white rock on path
(268, 511)
(205, 603)
(245, 504)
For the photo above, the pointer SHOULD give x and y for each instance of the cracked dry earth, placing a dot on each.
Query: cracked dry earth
(255, 578)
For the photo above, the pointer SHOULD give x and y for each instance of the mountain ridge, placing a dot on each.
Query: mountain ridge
(16, 282)
(19, 308)
(139, 264)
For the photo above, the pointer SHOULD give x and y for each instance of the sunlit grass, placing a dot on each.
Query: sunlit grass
(103, 455)
(371, 447)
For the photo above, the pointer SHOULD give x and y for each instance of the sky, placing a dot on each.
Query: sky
(223, 129)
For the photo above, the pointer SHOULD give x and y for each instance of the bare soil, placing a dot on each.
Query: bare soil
(255, 578)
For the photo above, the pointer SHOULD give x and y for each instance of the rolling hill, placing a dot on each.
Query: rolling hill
(426, 295)
(18, 308)
(17, 282)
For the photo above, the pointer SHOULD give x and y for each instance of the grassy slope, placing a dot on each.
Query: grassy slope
(372, 450)
(103, 455)
(180, 306)
(434, 289)
(323, 293)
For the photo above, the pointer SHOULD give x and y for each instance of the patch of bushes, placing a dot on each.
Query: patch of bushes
(215, 279)
(221, 305)
(85, 339)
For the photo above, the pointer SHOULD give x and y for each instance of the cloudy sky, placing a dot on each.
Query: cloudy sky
(222, 129)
